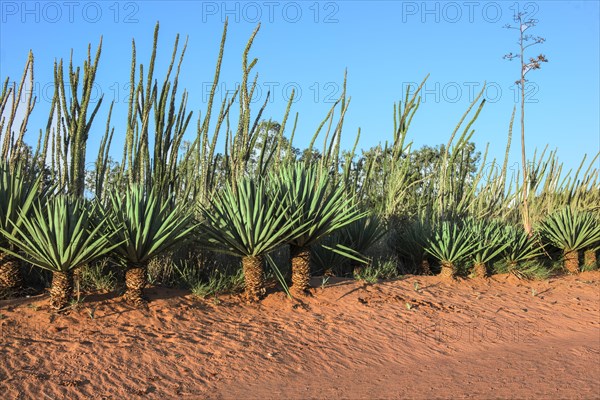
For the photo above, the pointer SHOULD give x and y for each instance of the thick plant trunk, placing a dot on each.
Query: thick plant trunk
(571, 261)
(10, 272)
(447, 271)
(61, 290)
(300, 269)
(480, 270)
(254, 278)
(589, 259)
(425, 267)
(135, 281)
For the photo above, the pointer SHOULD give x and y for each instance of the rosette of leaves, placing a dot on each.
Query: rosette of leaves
(146, 225)
(61, 235)
(451, 244)
(318, 206)
(248, 222)
(571, 230)
(490, 237)
(18, 192)
(348, 246)
(520, 249)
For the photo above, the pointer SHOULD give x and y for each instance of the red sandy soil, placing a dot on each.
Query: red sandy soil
(412, 338)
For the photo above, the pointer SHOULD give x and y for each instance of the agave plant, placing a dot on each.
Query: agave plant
(451, 244)
(357, 237)
(323, 209)
(248, 223)
(348, 244)
(60, 237)
(571, 230)
(490, 235)
(411, 241)
(146, 226)
(17, 195)
(520, 247)
(327, 260)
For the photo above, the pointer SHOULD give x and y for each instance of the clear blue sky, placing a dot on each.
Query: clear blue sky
(308, 44)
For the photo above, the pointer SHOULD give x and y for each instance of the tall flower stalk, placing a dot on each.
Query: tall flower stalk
(525, 41)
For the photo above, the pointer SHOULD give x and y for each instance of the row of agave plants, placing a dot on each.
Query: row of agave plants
(481, 243)
(260, 193)
(298, 207)
(62, 233)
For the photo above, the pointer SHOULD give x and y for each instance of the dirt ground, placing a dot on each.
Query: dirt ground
(416, 338)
